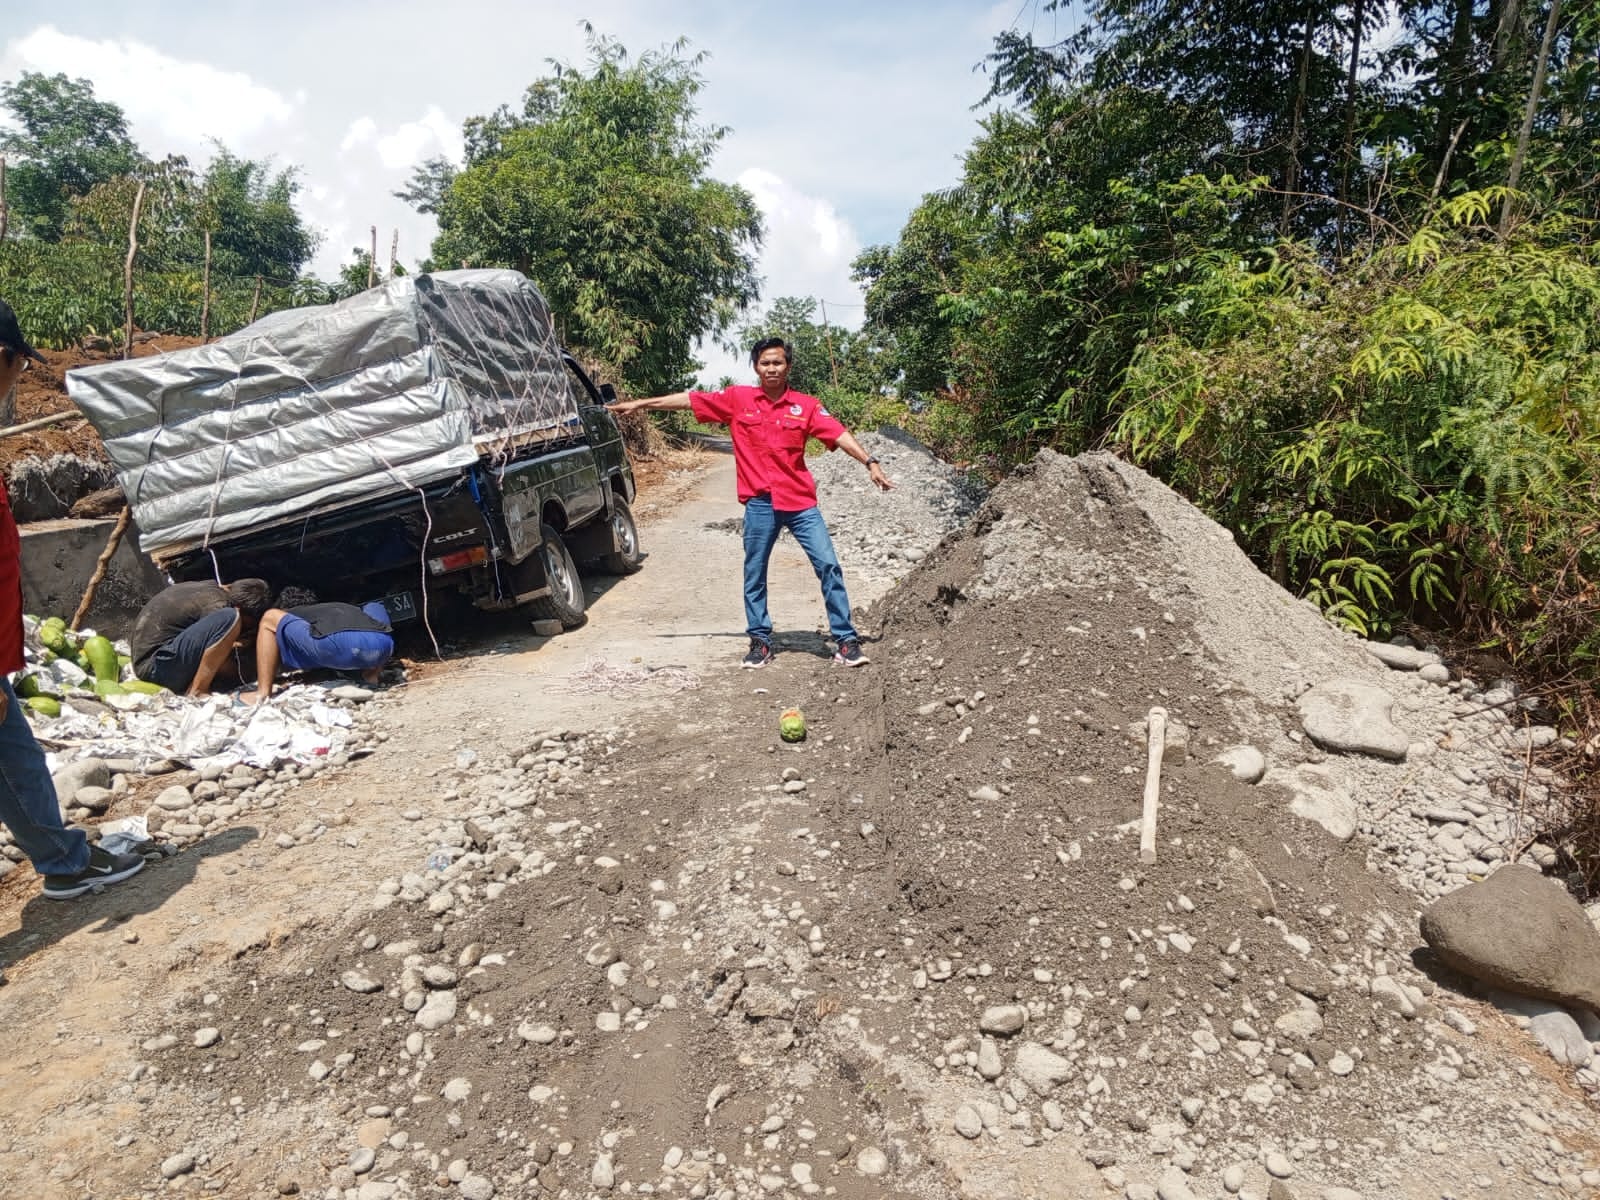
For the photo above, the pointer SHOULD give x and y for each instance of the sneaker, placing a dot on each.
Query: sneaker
(851, 654)
(104, 868)
(759, 656)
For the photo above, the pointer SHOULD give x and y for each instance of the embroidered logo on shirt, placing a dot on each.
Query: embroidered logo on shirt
(794, 410)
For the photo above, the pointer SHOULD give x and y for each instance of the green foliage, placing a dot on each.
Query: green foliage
(65, 143)
(79, 178)
(846, 368)
(599, 190)
(1414, 432)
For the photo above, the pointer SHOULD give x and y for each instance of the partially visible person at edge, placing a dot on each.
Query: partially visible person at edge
(769, 425)
(184, 635)
(301, 634)
(28, 804)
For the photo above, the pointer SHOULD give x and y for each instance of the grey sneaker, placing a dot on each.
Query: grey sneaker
(104, 868)
(851, 654)
(759, 655)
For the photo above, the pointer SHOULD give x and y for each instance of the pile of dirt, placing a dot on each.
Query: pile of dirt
(917, 954)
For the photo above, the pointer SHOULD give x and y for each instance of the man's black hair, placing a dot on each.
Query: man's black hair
(772, 343)
(294, 597)
(251, 597)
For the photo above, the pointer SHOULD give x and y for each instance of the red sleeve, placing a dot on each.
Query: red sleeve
(825, 427)
(711, 408)
(11, 658)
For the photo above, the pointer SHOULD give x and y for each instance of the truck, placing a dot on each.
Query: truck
(427, 440)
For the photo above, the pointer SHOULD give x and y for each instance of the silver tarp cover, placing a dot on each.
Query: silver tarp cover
(311, 407)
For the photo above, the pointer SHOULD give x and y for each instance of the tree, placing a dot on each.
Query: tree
(599, 190)
(429, 183)
(249, 208)
(67, 142)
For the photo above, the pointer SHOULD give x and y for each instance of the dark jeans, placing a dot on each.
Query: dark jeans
(762, 524)
(28, 804)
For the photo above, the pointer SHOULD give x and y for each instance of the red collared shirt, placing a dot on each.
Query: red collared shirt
(769, 440)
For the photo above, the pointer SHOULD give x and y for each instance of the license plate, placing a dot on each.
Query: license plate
(401, 607)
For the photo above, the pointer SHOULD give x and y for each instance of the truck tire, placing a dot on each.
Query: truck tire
(625, 532)
(565, 603)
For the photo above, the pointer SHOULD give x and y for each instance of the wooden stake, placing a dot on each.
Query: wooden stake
(205, 292)
(1156, 736)
(372, 260)
(127, 272)
(41, 422)
(394, 252)
(106, 556)
(255, 301)
(2, 197)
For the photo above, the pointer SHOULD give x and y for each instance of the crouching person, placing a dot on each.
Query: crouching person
(184, 635)
(301, 634)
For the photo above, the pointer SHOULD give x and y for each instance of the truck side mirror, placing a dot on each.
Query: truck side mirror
(608, 394)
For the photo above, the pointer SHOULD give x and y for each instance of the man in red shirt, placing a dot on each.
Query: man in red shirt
(28, 804)
(769, 425)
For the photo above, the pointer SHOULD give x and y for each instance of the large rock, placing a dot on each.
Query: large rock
(85, 772)
(1316, 796)
(1518, 931)
(1401, 658)
(1351, 716)
(1040, 1068)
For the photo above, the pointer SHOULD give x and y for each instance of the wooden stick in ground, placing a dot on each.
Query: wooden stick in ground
(205, 293)
(127, 271)
(41, 422)
(100, 567)
(1156, 735)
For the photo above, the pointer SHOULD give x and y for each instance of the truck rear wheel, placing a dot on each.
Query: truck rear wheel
(565, 603)
(627, 557)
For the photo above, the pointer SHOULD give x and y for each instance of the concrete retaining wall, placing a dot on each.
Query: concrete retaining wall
(58, 557)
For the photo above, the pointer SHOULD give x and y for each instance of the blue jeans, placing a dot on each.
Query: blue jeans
(28, 805)
(762, 524)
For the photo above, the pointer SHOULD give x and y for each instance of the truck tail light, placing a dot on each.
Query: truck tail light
(472, 557)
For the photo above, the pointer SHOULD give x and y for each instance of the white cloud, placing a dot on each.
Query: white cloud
(416, 140)
(807, 251)
(808, 246)
(362, 130)
(185, 103)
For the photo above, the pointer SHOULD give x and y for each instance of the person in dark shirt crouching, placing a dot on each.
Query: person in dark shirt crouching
(301, 634)
(186, 632)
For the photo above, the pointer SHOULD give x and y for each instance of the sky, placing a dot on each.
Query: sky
(843, 113)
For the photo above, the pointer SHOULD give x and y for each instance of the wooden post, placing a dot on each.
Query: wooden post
(394, 252)
(127, 272)
(205, 292)
(1156, 732)
(255, 300)
(372, 260)
(827, 335)
(3, 221)
(100, 567)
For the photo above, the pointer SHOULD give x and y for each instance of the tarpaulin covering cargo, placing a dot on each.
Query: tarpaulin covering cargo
(311, 407)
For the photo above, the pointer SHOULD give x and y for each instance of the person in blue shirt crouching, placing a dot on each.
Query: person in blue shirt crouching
(303, 634)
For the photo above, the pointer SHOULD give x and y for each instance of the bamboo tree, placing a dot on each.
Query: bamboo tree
(1526, 131)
